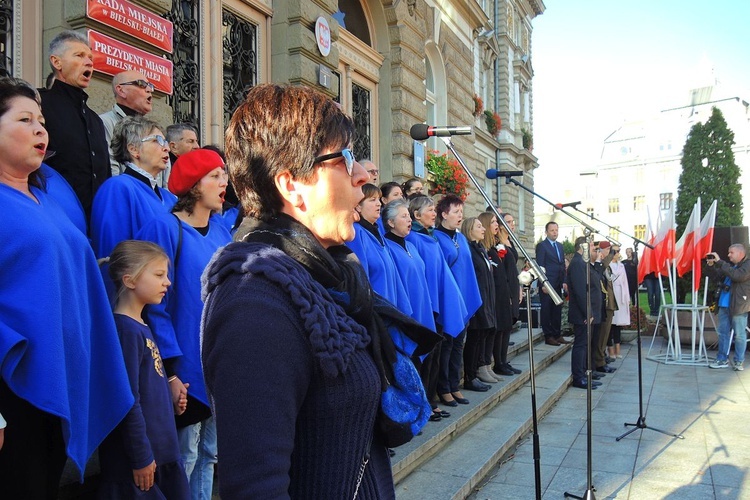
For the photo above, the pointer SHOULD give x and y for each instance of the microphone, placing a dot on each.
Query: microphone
(585, 251)
(494, 174)
(565, 205)
(420, 131)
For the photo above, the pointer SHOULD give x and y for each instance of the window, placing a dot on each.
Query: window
(590, 211)
(6, 37)
(185, 101)
(614, 233)
(639, 231)
(665, 201)
(614, 205)
(639, 203)
(240, 60)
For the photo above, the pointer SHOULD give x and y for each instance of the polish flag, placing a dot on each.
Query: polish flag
(655, 261)
(695, 243)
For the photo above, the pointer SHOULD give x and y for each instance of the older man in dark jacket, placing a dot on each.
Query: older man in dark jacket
(580, 315)
(734, 303)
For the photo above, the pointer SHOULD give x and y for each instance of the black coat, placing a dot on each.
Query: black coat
(76, 134)
(484, 318)
(501, 275)
(511, 271)
(577, 291)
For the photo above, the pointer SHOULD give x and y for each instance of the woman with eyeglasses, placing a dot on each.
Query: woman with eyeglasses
(370, 248)
(291, 329)
(412, 187)
(189, 237)
(125, 203)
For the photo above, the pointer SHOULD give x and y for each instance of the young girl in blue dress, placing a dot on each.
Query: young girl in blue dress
(141, 457)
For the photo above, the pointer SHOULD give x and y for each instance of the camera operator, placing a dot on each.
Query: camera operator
(734, 303)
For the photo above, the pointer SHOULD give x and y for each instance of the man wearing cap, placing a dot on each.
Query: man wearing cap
(190, 239)
(579, 315)
(605, 253)
(133, 95)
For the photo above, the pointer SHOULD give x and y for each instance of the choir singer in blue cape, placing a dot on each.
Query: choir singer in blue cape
(63, 384)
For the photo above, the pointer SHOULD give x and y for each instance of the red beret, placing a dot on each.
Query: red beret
(604, 244)
(191, 168)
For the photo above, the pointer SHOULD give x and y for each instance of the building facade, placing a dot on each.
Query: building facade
(390, 64)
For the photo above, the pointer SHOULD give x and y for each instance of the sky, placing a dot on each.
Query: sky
(598, 63)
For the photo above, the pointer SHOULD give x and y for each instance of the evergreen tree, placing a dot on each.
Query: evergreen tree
(709, 171)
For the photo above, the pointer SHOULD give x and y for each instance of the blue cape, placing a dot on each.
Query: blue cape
(176, 321)
(458, 256)
(59, 348)
(59, 189)
(380, 268)
(446, 298)
(411, 270)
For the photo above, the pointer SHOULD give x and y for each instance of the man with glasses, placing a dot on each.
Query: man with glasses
(372, 170)
(76, 133)
(182, 138)
(133, 95)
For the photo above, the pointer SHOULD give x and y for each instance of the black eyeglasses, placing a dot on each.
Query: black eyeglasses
(140, 84)
(345, 153)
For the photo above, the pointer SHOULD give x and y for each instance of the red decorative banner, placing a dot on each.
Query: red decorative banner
(112, 57)
(133, 20)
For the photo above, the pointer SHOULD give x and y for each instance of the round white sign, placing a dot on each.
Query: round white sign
(323, 36)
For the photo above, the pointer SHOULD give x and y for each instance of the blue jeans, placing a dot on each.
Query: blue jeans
(653, 292)
(727, 323)
(199, 454)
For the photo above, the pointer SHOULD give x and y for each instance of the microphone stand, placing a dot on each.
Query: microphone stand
(636, 241)
(641, 422)
(586, 254)
(536, 271)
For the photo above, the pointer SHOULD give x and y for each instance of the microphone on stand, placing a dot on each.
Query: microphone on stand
(421, 131)
(566, 205)
(585, 251)
(494, 174)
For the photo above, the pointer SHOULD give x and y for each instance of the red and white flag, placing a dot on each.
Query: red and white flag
(656, 260)
(697, 241)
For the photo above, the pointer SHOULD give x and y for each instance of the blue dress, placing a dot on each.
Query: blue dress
(457, 254)
(445, 296)
(379, 266)
(58, 344)
(148, 432)
(176, 321)
(59, 189)
(411, 270)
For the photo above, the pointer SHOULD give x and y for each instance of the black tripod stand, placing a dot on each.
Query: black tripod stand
(641, 422)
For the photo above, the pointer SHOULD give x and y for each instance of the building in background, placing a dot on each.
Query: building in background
(639, 170)
(389, 64)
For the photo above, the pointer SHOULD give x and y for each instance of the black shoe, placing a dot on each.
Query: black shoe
(443, 414)
(597, 376)
(514, 370)
(511, 343)
(476, 385)
(391, 452)
(435, 417)
(581, 384)
(446, 402)
(595, 383)
(610, 360)
(606, 369)
(461, 401)
(503, 370)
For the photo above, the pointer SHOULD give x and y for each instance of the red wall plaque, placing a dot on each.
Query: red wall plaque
(112, 56)
(133, 20)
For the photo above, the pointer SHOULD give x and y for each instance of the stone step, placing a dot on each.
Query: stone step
(452, 456)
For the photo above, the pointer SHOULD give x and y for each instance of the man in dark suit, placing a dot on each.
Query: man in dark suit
(550, 255)
(579, 314)
(76, 133)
